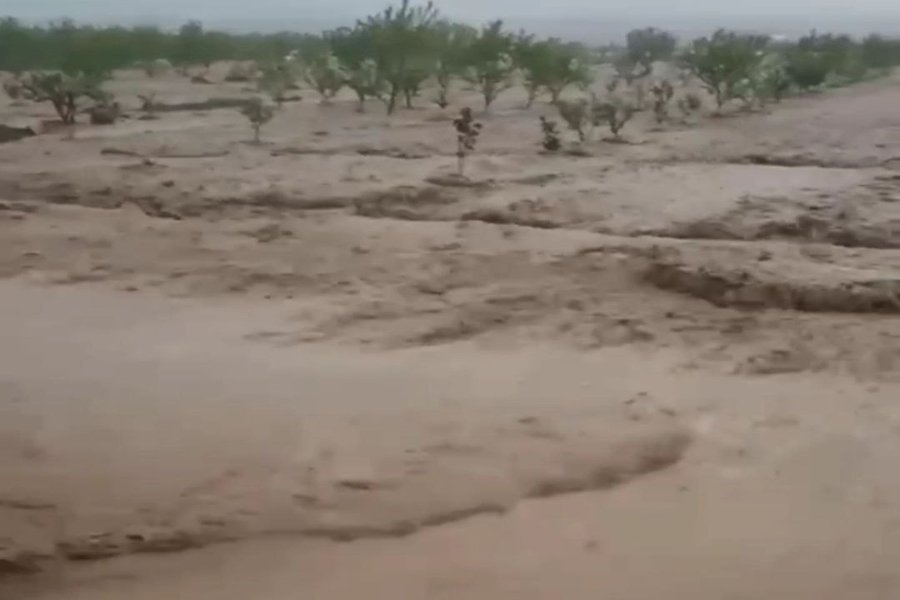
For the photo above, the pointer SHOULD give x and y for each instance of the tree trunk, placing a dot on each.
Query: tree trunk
(532, 96)
(256, 128)
(555, 93)
(361, 106)
(489, 96)
(408, 94)
(392, 101)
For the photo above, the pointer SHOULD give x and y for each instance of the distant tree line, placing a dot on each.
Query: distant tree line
(72, 48)
(390, 55)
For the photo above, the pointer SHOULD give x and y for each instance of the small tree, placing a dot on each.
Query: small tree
(577, 115)
(807, 69)
(490, 63)
(662, 94)
(643, 48)
(353, 48)
(550, 140)
(842, 56)
(723, 61)
(323, 73)
(276, 79)
(467, 132)
(646, 46)
(258, 113)
(452, 43)
(63, 91)
(403, 48)
(612, 112)
(553, 66)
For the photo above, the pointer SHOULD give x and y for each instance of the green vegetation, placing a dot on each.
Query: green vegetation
(643, 48)
(65, 46)
(467, 132)
(552, 66)
(64, 92)
(724, 61)
(395, 54)
(258, 113)
(489, 62)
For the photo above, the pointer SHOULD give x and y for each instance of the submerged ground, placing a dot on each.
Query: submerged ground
(668, 368)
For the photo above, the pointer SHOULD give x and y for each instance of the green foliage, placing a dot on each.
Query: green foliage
(352, 47)
(724, 61)
(258, 113)
(643, 48)
(65, 46)
(879, 52)
(63, 91)
(582, 116)
(403, 47)
(451, 46)
(277, 78)
(646, 46)
(613, 112)
(771, 79)
(553, 66)
(323, 72)
(807, 69)
(840, 54)
(490, 65)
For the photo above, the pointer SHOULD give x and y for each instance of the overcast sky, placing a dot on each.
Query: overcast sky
(313, 14)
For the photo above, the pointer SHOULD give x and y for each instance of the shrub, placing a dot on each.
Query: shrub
(771, 80)
(646, 46)
(105, 113)
(323, 72)
(612, 112)
(403, 47)
(662, 94)
(723, 61)
(353, 49)
(467, 132)
(452, 42)
(490, 63)
(63, 91)
(879, 52)
(806, 69)
(643, 48)
(577, 115)
(550, 140)
(258, 113)
(276, 79)
(553, 66)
